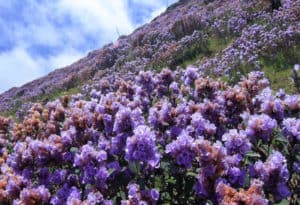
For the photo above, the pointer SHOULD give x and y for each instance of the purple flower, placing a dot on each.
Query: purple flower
(160, 117)
(260, 127)
(274, 108)
(123, 121)
(101, 177)
(190, 75)
(94, 198)
(213, 166)
(291, 128)
(174, 88)
(254, 195)
(127, 120)
(236, 142)
(200, 188)
(182, 150)
(296, 167)
(236, 176)
(274, 174)
(108, 123)
(146, 81)
(292, 102)
(154, 194)
(281, 192)
(88, 154)
(35, 195)
(141, 147)
(137, 196)
(202, 126)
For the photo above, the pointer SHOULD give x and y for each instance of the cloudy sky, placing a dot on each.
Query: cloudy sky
(38, 36)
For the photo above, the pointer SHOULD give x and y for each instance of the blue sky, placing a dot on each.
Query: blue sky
(38, 36)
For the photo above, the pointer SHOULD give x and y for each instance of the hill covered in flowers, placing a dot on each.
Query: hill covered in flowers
(171, 137)
(225, 39)
(179, 112)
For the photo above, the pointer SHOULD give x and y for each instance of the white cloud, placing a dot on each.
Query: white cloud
(17, 67)
(69, 28)
(100, 17)
(64, 58)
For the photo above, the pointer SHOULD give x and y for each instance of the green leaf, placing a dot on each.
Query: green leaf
(110, 171)
(281, 139)
(165, 166)
(192, 174)
(253, 154)
(122, 195)
(74, 149)
(283, 202)
(171, 180)
(134, 167)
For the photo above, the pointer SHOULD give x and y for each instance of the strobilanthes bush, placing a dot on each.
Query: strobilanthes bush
(173, 138)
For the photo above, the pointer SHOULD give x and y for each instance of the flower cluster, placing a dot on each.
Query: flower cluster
(172, 137)
(88, 151)
(274, 174)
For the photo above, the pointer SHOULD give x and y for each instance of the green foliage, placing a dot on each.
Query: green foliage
(278, 69)
(58, 93)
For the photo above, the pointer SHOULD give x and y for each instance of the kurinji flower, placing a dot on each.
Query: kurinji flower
(63, 194)
(182, 150)
(154, 194)
(101, 176)
(44, 176)
(274, 108)
(174, 88)
(202, 126)
(296, 167)
(274, 174)
(141, 197)
(141, 147)
(213, 167)
(260, 127)
(35, 195)
(146, 81)
(108, 123)
(292, 102)
(165, 77)
(160, 116)
(58, 176)
(94, 198)
(68, 136)
(127, 120)
(190, 75)
(254, 195)
(236, 142)
(13, 186)
(87, 154)
(123, 121)
(81, 153)
(291, 128)
(236, 176)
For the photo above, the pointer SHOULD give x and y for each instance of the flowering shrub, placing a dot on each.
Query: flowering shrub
(171, 137)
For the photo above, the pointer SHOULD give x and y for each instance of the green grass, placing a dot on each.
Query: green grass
(278, 69)
(58, 93)
(279, 79)
(42, 99)
(214, 45)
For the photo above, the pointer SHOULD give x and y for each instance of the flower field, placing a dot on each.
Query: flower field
(212, 133)
(170, 137)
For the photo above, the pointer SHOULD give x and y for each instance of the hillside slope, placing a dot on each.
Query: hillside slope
(216, 33)
(213, 133)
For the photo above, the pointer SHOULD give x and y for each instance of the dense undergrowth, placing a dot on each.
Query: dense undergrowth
(199, 132)
(171, 137)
